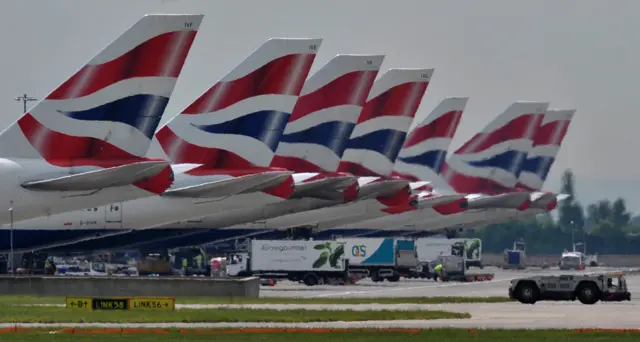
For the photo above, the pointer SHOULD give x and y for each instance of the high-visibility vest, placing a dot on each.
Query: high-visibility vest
(438, 268)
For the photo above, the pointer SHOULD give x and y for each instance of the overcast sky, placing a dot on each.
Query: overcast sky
(579, 54)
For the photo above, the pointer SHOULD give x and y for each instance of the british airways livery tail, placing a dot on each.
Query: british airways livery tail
(425, 150)
(490, 162)
(84, 145)
(325, 114)
(546, 145)
(108, 110)
(383, 124)
(239, 121)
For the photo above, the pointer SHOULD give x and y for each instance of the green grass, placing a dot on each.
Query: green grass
(64, 315)
(440, 335)
(17, 300)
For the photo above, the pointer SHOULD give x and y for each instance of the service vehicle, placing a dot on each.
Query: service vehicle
(455, 269)
(587, 288)
(576, 259)
(310, 262)
(381, 258)
(516, 257)
(430, 249)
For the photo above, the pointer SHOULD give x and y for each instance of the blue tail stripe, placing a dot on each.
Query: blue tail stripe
(142, 112)
(333, 135)
(387, 142)
(432, 159)
(265, 125)
(539, 166)
(502, 161)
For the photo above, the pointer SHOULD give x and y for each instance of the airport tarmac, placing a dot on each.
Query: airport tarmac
(425, 288)
(511, 315)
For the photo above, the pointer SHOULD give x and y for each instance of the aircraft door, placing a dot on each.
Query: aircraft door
(113, 215)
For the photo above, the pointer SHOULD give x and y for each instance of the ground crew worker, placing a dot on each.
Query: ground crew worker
(438, 270)
(199, 261)
(47, 267)
(185, 264)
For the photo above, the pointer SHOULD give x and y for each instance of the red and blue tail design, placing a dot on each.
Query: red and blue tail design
(106, 113)
(326, 112)
(383, 124)
(425, 150)
(546, 145)
(239, 121)
(491, 161)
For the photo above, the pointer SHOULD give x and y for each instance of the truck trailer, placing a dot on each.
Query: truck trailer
(310, 262)
(430, 249)
(381, 258)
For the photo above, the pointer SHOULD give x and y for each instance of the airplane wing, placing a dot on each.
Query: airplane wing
(229, 187)
(100, 179)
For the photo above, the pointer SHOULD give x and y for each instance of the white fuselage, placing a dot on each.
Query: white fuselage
(474, 217)
(150, 212)
(32, 204)
(305, 212)
(321, 218)
(467, 219)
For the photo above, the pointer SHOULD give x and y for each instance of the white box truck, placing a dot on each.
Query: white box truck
(381, 258)
(312, 262)
(430, 249)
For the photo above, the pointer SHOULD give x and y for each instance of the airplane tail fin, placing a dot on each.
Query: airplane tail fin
(383, 124)
(238, 122)
(546, 145)
(110, 108)
(491, 161)
(325, 114)
(425, 149)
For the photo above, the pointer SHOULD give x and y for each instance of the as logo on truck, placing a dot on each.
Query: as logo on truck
(359, 251)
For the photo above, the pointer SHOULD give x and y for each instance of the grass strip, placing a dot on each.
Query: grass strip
(64, 315)
(18, 300)
(440, 335)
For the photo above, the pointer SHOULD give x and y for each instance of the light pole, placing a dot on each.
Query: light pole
(24, 98)
(573, 229)
(13, 265)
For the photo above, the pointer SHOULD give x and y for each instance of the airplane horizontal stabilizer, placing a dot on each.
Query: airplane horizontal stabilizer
(382, 189)
(229, 187)
(504, 201)
(429, 202)
(99, 179)
(329, 188)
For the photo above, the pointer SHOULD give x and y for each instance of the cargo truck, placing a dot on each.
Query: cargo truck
(381, 258)
(430, 249)
(310, 262)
